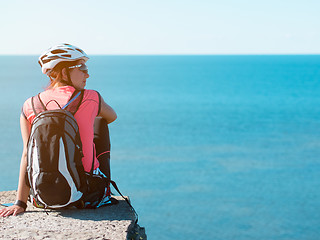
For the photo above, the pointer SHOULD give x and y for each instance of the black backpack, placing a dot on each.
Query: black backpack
(55, 171)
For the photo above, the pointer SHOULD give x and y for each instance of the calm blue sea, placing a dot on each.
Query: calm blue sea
(207, 147)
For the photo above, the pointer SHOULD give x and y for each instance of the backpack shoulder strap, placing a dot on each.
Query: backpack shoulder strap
(72, 98)
(33, 108)
(42, 104)
(75, 101)
(33, 104)
(80, 101)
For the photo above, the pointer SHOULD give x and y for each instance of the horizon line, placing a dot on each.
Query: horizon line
(181, 54)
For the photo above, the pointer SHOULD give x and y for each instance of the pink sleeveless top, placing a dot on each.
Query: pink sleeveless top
(85, 117)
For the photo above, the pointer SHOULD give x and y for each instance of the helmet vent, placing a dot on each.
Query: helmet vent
(79, 50)
(45, 61)
(57, 51)
(66, 55)
(44, 56)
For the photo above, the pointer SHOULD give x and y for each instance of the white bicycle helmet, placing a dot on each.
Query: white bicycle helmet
(60, 53)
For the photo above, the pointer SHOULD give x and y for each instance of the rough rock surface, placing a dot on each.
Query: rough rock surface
(110, 222)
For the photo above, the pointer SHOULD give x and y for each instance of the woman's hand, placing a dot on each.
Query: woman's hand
(12, 210)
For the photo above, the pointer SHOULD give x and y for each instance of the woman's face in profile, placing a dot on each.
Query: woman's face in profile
(79, 77)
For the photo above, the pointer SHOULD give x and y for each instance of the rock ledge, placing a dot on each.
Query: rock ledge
(110, 222)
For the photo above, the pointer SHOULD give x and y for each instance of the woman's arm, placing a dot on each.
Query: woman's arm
(107, 112)
(23, 189)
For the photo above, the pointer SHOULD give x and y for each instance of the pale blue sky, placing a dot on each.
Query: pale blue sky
(162, 27)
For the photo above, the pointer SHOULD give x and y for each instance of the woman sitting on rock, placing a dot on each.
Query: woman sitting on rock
(65, 66)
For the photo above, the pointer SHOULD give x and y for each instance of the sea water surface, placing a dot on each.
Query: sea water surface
(207, 147)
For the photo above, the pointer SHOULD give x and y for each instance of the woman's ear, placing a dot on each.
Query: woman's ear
(64, 74)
